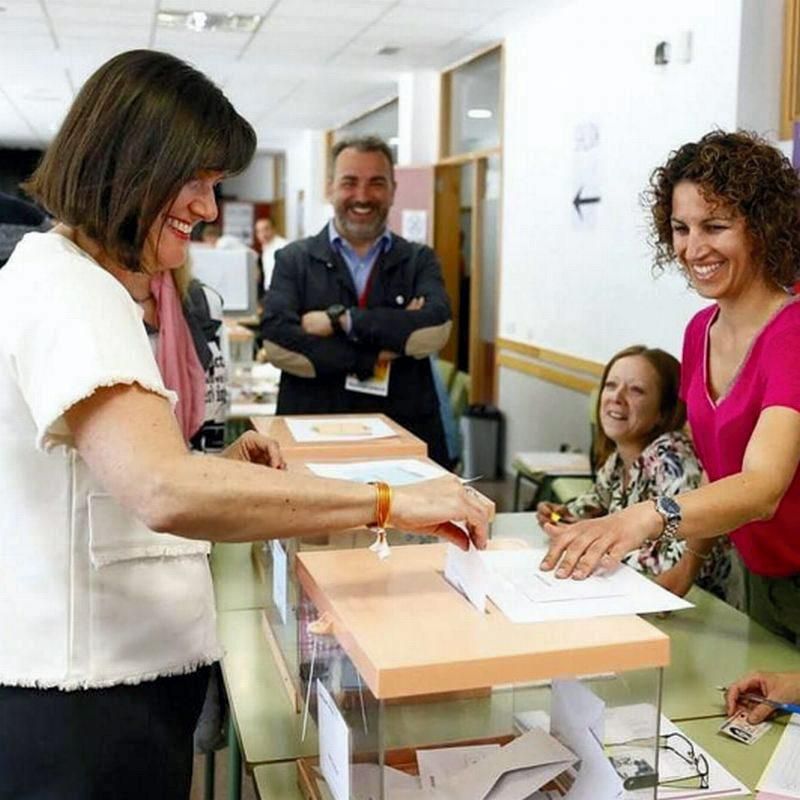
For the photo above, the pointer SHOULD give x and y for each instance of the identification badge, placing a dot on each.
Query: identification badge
(377, 384)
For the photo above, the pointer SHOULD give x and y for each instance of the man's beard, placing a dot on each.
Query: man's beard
(367, 230)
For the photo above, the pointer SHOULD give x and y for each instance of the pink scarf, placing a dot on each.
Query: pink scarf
(177, 357)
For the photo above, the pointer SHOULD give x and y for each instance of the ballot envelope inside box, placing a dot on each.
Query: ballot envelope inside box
(410, 692)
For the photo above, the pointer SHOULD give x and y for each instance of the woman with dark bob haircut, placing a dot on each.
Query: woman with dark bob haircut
(109, 625)
(727, 208)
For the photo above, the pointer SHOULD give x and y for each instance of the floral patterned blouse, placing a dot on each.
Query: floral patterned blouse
(667, 466)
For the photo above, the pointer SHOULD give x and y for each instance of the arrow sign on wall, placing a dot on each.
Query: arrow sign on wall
(583, 201)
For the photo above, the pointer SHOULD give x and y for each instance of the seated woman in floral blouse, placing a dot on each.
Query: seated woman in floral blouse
(644, 454)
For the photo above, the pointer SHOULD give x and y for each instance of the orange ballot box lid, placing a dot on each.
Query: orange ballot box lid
(324, 436)
(409, 632)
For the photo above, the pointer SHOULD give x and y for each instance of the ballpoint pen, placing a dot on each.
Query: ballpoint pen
(783, 708)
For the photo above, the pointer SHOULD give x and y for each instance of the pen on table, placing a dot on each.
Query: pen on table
(784, 708)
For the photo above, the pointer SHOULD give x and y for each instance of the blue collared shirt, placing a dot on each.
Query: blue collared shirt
(360, 267)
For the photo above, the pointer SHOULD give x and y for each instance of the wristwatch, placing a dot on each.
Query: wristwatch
(671, 514)
(335, 313)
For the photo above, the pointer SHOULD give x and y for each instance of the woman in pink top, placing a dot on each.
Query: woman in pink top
(727, 208)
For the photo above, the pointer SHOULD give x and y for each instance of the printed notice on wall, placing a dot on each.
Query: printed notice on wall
(414, 225)
(334, 745)
(279, 578)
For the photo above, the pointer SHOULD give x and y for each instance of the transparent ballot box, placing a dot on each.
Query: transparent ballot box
(283, 610)
(413, 693)
(287, 613)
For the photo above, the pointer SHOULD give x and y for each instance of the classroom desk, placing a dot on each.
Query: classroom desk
(745, 762)
(712, 644)
(277, 781)
(269, 730)
(236, 581)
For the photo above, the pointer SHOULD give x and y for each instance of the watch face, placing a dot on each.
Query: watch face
(669, 507)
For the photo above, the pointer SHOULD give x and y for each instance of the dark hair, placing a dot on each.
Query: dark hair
(363, 144)
(142, 126)
(745, 172)
(672, 410)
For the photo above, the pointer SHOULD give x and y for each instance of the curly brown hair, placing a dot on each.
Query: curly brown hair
(745, 172)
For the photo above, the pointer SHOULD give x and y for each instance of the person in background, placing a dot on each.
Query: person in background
(16, 219)
(726, 208)
(779, 687)
(353, 313)
(210, 234)
(268, 242)
(644, 453)
(104, 660)
(202, 312)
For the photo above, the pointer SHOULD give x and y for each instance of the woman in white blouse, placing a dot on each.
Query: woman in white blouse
(108, 616)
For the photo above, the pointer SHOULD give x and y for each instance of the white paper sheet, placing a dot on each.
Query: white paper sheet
(280, 584)
(394, 471)
(467, 571)
(335, 429)
(334, 745)
(524, 593)
(781, 778)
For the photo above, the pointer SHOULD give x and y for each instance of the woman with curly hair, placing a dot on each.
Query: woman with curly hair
(643, 452)
(727, 208)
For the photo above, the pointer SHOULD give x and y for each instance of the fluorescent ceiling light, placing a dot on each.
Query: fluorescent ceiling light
(480, 113)
(200, 21)
(393, 141)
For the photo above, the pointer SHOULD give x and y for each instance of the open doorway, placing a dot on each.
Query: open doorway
(466, 240)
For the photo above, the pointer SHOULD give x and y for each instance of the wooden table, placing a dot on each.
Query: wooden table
(404, 444)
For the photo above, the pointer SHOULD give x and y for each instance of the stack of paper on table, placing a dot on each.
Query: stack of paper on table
(394, 471)
(338, 429)
(514, 582)
(781, 778)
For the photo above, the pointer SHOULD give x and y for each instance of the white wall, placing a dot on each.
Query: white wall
(256, 183)
(305, 170)
(586, 288)
(418, 120)
(760, 66)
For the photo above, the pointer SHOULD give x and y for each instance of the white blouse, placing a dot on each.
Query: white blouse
(89, 596)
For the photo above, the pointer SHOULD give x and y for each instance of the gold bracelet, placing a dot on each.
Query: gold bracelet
(701, 556)
(383, 503)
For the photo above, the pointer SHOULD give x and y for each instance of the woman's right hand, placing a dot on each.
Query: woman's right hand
(782, 687)
(435, 506)
(552, 512)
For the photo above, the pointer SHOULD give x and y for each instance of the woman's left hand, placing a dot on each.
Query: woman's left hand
(256, 449)
(588, 545)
